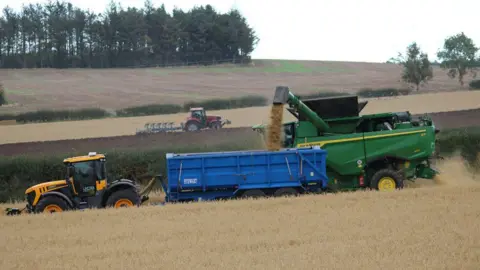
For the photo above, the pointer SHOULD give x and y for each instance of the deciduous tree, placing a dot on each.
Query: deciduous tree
(458, 56)
(416, 66)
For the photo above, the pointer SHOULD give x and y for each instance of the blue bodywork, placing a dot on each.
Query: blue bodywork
(215, 175)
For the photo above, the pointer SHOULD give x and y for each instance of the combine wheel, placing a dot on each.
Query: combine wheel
(386, 180)
(285, 192)
(253, 193)
(123, 198)
(51, 204)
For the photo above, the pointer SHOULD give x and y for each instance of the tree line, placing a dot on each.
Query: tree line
(60, 35)
(458, 57)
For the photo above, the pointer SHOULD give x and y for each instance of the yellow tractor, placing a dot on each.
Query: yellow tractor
(85, 186)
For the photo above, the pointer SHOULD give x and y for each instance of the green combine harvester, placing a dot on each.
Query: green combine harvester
(377, 151)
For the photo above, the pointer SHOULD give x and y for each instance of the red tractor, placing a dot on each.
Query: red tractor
(198, 119)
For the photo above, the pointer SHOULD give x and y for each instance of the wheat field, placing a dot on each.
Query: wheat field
(245, 117)
(424, 227)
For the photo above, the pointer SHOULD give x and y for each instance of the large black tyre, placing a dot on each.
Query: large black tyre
(386, 180)
(192, 126)
(285, 192)
(216, 125)
(253, 193)
(123, 198)
(51, 204)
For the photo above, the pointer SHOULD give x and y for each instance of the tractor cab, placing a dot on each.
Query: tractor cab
(87, 174)
(85, 186)
(199, 114)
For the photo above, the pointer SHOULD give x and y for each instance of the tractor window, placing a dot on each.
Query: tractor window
(100, 170)
(84, 170)
(197, 114)
(84, 176)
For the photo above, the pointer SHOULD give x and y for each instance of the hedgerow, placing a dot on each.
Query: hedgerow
(230, 103)
(3, 98)
(466, 141)
(364, 93)
(474, 85)
(382, 92)
(60, 115)
(320, 95)
(151, 109)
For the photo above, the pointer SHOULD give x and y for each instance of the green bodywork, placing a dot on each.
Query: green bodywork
(359, 146)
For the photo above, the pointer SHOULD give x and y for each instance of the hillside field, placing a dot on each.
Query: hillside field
(426, 227)
(36, 89)
(244, 117)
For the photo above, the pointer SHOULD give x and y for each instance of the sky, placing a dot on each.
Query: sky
(334, 30)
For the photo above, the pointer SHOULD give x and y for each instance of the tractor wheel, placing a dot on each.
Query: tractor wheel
(285, 192)
(192, 126)
(216, 125)
(51, 204)
(253, 193)
(123, 198)
(386, 180)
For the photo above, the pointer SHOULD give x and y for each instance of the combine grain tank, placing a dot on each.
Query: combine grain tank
(258, 173)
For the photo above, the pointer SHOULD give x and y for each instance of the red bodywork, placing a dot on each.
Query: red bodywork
(196, 117)
(210, 118)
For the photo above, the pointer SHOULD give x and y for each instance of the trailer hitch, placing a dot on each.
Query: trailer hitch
(13, 211)
(148, 188)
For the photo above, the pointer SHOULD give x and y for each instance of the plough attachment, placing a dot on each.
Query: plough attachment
(160, 127)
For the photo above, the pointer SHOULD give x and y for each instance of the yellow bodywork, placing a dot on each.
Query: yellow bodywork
(83, 158)
(41, 188)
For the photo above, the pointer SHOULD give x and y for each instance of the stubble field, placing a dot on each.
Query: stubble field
(119, 88)
(434, 227)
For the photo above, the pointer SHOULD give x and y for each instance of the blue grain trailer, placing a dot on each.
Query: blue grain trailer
(221, 175)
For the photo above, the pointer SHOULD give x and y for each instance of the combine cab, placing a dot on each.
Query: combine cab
(197, 120)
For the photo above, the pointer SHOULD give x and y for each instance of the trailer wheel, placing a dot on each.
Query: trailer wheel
(285, 192)
(253, 193)
(386, 180)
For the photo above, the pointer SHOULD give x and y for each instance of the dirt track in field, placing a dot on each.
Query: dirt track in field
(119, 88)
(456, 119)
